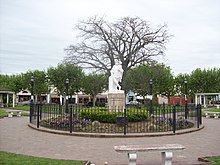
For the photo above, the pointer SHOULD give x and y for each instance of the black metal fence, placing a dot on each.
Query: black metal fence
(75, 118)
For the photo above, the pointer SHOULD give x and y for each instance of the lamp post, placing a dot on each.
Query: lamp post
(186, 99)
(151, 98)
(32, 98)
(67, 94)
(48, 89)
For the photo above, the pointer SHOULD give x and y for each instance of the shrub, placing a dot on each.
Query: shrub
(96, 124)
(100, 116)
(110, 117)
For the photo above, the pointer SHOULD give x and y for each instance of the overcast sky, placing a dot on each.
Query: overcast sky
(34, 33)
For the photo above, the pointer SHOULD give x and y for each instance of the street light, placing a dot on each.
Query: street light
(48, 88)
(67, 94)
(32, 87)
(32, 98)
(151, 98)
(186, 99)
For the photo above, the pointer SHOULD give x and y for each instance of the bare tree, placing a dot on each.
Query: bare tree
(129, 41)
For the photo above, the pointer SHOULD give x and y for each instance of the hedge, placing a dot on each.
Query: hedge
(110, 117)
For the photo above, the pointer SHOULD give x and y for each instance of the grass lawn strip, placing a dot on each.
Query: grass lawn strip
(213, 110)
(215, 159)
(22, 107)
(3, 113)
(17, 159)
(210, 110)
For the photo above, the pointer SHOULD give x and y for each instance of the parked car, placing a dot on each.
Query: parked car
(133, 103)
(89, 104)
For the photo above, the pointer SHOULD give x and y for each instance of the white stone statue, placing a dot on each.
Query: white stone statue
(115, 78)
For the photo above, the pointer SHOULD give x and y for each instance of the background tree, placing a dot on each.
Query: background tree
(58, 75)
(4, 81)
(12, 82)
(16, 83)
(138, 79)
(179, 83)
(40, 82)
(94, 84)
(205, 81)
(163, 80)
(129, 41)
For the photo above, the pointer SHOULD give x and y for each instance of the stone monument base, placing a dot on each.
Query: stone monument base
(116, 101)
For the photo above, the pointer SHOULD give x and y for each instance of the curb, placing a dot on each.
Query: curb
(106, 135)
(205, 160)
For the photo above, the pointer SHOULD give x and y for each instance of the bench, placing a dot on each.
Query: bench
(165, 149)
(11, 112)
(207, 114)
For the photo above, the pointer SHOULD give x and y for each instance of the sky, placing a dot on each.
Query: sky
(34, 33)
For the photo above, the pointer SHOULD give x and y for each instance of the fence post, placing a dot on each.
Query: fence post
(186, 111)
(186, 100)
(71, 119)
(151, 98)
(174, 119)
(32, 98)
(38, 115)
(67, 95)
(31, 109)
(41, 107)
(60, 109)
(198, 115)
(163, 110)
(125, 120)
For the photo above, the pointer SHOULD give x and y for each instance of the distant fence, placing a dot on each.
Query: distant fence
(75, 118)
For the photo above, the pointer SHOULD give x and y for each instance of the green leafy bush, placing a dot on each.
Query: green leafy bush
(100, 116)
(110, 117)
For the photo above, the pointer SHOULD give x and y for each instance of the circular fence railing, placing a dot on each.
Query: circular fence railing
(76, 118)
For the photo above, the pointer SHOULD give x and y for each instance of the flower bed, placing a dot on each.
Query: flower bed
(85, 124)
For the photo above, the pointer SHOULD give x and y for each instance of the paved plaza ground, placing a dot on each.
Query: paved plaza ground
(17, 137)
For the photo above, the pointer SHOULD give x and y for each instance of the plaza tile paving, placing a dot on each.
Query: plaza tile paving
(17, 137)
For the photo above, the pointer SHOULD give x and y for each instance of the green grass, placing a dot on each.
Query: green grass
(24, 114)
(7, 158)
(215, 159)
(22, 107)
(3, 113)
(213, 110)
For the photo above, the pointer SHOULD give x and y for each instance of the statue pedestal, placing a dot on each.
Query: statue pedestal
(116, 101)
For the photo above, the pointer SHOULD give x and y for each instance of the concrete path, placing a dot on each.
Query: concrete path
(17, 137)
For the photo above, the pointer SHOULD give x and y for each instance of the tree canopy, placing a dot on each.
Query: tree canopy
(58, 75)
(94, 84)
(205, 81)
(138, 79)
(40, 84)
